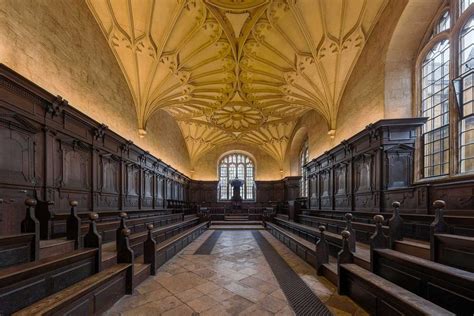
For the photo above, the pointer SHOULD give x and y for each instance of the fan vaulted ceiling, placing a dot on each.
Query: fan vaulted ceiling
(236, 70)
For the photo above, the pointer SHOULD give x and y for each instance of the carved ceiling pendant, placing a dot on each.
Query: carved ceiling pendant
(236, 70)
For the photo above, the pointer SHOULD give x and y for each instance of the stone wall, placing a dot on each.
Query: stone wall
(58, 45)
(364, 99)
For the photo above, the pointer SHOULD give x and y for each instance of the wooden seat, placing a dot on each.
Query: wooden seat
(157, 254)
(446, 286)
(381, 297)
(362, 254)
(27, 283)
(83, 297)
(17, 249)
(136, 240)
(453, 250)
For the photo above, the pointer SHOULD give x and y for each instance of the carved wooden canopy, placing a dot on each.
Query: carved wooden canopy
(236, 70)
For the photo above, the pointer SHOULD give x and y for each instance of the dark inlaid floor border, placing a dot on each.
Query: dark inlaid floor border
(208, 245)
(299, 295)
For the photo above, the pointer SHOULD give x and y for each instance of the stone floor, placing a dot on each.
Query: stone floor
(234, 280)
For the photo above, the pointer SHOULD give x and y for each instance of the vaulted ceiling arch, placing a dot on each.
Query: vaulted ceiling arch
(236, 71)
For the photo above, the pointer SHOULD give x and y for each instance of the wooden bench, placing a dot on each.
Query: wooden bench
(334, 241)
(108, 229)
(362, 231)
(446, 247)
(17, 249)
(316, 255)
(111, 219)
(446, 286)
(374, 293)
(453, 250)
(27, 283)
(136, 240)
(381, 297)
(91, 296)
(156, 254)
(415, 226)
(305, 249)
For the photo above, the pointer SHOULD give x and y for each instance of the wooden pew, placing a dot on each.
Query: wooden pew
(334, 241)
(17, 249)
(157, 253)
(91, 296)
(136, 240)
(59, 219)
(447, 248)
(27, 283)
(453, 250)
(374, 293)
(451, 288)
(415, 226)
(316, 255)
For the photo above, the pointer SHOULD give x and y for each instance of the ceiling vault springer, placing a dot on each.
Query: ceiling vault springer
(237, 71)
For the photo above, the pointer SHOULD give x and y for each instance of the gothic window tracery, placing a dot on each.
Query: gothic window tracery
(445, 94)
(304, 157)
(240, 166)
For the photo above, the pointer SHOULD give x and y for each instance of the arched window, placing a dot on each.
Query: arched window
(466, 108)
(240, 166)
(435, 106)
(446, 92)
(304, 156)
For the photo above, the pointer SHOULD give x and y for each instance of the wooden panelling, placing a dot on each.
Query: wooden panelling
(369, 171)
(52, 152)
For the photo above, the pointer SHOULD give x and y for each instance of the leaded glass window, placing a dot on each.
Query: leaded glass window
(435, 106)
(304, 156)
(443, 23)
(466, 124)
(242, 167)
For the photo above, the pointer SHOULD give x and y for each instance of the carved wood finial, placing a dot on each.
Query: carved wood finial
(345, 255)
(352, 240)
(118, 234)
(93, 239)
(322, 250)
(378, 239)
(73, 226)
(149, 249)
(125, 254)
(395, 225)
(439, 225)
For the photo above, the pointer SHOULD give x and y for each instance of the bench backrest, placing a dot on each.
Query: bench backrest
(453, 250)
(17, 249)
(25, 284)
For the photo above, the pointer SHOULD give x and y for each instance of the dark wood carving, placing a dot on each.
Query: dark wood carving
(73, 226)
(396, 225)
(52, 152)
(149, 250)
(48, 276)
(17, 249)
(119, 236)
(322, 250)
(93, 239)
